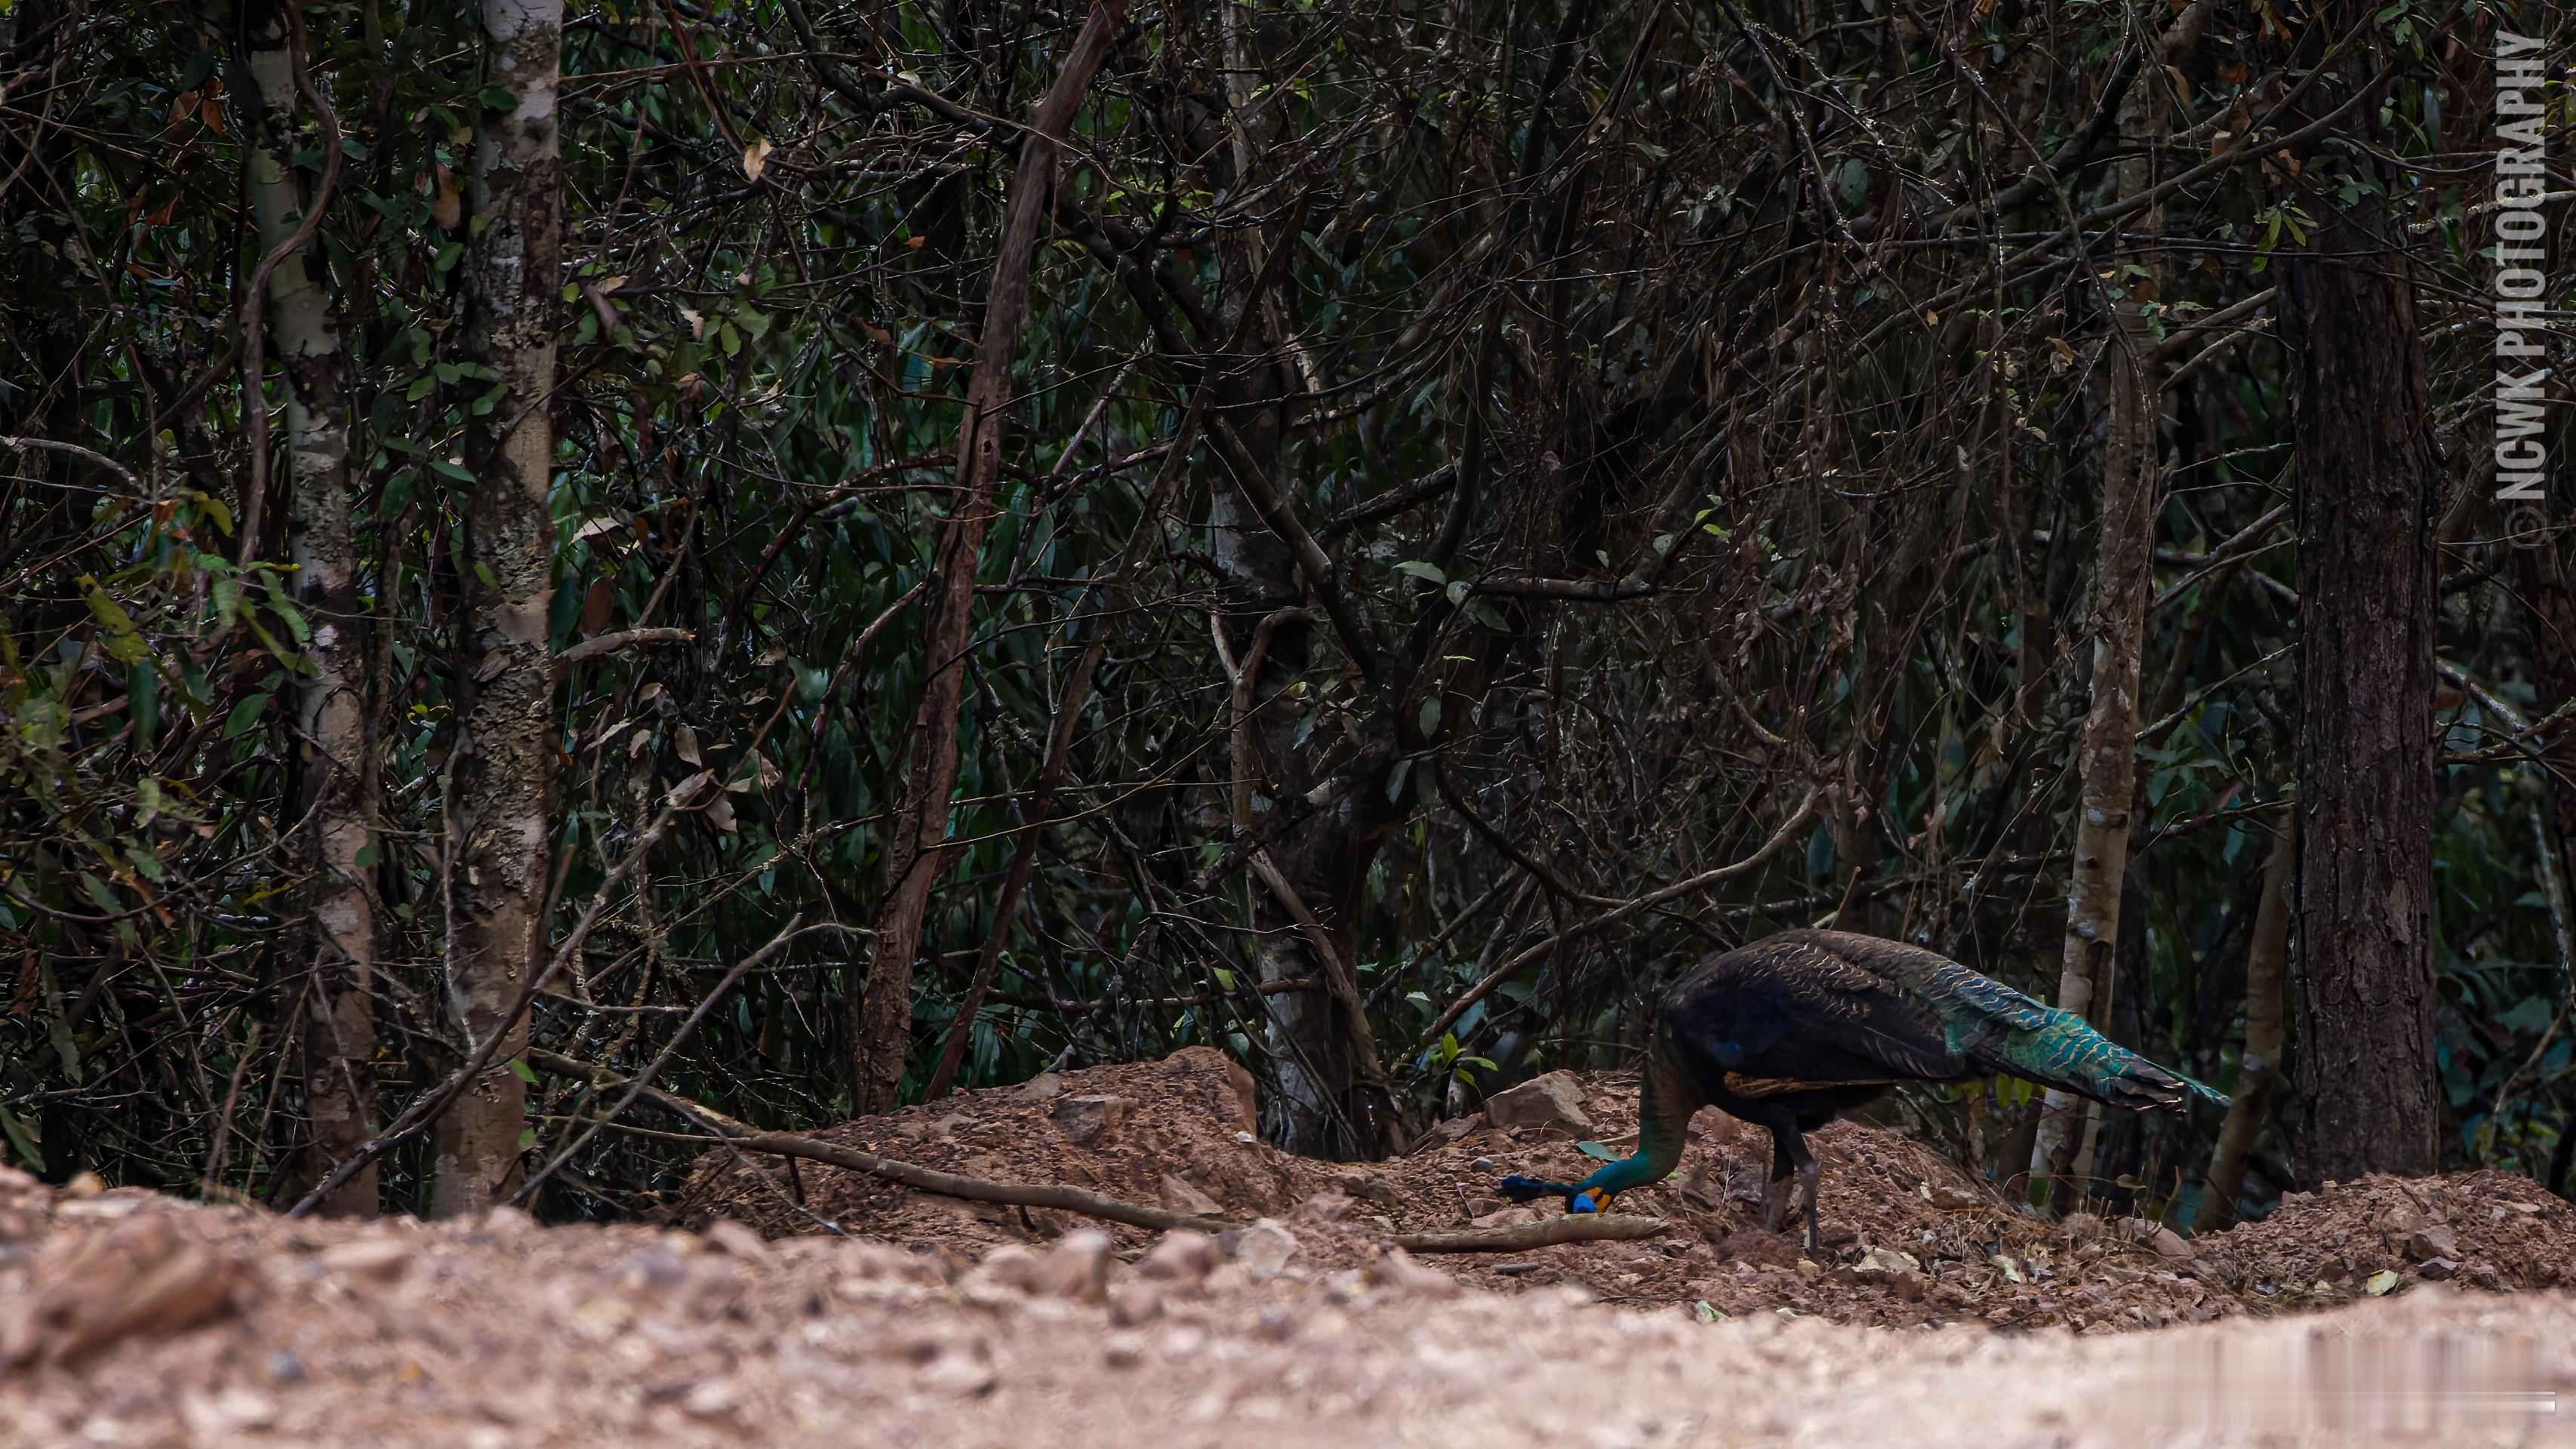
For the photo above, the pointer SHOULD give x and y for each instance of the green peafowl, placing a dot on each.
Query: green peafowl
(1793, 1029)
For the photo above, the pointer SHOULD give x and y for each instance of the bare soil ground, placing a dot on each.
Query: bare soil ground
(1910, 1238)
(135, 1319)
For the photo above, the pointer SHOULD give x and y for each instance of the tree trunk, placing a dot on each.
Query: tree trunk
(2122, 572)
(2258, 1070)
(332, 757)
(2367, 485)
(501, 772)
(881, 1029)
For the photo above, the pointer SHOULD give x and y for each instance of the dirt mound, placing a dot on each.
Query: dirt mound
(129, 1319)
(1910, 1239)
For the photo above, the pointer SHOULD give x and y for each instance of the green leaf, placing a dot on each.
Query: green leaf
(1596, 1149)
(1427, 572)
(520, 1068)
(19, 1139)
(497, 98)
(244, 715)
(1429, 717)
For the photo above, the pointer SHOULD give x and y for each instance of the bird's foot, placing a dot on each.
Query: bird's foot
(1775, 1200)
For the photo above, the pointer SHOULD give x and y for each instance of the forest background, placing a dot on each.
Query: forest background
(825, 553)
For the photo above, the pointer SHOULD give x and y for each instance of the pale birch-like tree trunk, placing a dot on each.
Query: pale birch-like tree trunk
(502, 770)
(331, 760)
(881, 1028)
(2122, 573)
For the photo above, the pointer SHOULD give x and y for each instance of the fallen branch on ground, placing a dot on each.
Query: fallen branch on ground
(1571, 1228)
(730, 1133)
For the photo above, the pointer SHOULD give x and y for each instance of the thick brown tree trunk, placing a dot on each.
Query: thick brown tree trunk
(501, 774)
(331, 763)
(881, 1025)
(2367, 487)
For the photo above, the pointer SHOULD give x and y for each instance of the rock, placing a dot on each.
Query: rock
(714, 1399)
(213, 1417)
(1329, 1206)
(1552, 1102)
(1181, 1197)
(1084, 1120)
(2381, 1283)
(2433, 1242)
(1264, 1248)
(1889, 1260)
(1398, 1271)
(1009, 1271)
(1138, 1300)
(739, 1238)
(2434, 1270)
(2168, 1244)
(1042, 1087)
(1368, 1187)
(1076, 1268)
(1908, 1287)
(1179, 1256)
(378, 1259)
(1953, 1199)
(139, 1279)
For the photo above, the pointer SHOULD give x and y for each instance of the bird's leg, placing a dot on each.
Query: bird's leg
(1775, 1193)
(1813, 1174)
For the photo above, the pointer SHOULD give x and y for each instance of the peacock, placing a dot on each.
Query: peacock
(1793, 1029)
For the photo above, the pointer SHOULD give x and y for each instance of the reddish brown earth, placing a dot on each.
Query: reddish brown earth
(131, 1318)
(1185, 1121)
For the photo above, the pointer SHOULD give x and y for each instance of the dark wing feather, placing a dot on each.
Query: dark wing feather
(1786, 1009)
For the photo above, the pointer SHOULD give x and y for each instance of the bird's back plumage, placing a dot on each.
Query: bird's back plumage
(1811, 1011)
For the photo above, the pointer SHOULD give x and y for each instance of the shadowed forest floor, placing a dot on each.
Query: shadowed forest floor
(131, 1318)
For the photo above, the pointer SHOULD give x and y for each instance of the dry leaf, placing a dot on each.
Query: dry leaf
(755, 157)
(447, 209)
(684, 740)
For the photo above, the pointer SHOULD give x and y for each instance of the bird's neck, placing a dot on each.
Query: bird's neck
(1664, 1108)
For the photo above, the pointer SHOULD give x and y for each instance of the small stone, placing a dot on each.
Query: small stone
(1084, 1120)
(2168, 1244)
(1953, 1199)
(379, 1260)
(1076, 1268)
(2381, 1283)
(739, 1238)
(1907, 1286)
(2435, 1270)
(1809, 1271)
(1007, 1272)
(1326, 1207)
(714, 1399)
(966, 1372)
(1889, 1260)
(1135, 1301)
(1179, 1256)
(2433, 1242)
(284, 1367)
(1552, 1102)
(1123, 1350)
(1264, 1248)
(1181, 1196)
(1399, 1271)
